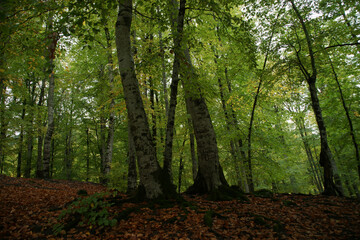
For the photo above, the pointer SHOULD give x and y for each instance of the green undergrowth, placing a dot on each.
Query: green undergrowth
(85, 211)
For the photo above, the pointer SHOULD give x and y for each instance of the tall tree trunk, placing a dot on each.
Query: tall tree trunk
(87, 154)
(102, 143)
(39, 121)
(238, 142)
(326, 158)
(194, 161)
(351, 128)
(233, 151)
(210, 175)
(53, 38)
(68, 145)
(153, 114)
(110, 135)
(2, 120)
(301, 127)
(52, 157)
(177, 38)
(181, 163)
(21, 138)
(29, 153)
(151, 180)
(163, 75)
(2, 107)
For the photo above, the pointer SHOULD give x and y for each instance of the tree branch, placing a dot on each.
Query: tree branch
(343, 45)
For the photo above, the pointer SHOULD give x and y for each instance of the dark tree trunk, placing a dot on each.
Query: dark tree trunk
(351, 128)
(53, 38)
(325, 154)
(29, 153)
(151, 176)
(68, 146)
(233, 151)
(181, 163)
(177, 38)
(102, 144)
(52, 157)
(110, 136)
(301, 126)
(326, 158)
(39, 163)
(163, 76)
(87, 153)
(238, 142)
(2, 111)
(21, 138)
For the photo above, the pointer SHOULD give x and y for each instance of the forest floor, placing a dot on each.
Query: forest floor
(29, 209)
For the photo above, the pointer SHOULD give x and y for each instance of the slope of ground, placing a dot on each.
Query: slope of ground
(29, 209)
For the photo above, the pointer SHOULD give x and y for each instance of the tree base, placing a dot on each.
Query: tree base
(221, 193)
(167, 187)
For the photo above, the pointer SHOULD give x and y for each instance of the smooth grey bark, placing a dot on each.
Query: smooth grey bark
(52, 38)
(149, 169)
(177, 38)
(210, 175)
(326, 157)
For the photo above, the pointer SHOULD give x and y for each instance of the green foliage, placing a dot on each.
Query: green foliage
(88, 211)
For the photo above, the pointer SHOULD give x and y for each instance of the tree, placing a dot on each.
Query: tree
(326, 157)
(177, 32)
(210, 176)
(53, 38)
(149, 168)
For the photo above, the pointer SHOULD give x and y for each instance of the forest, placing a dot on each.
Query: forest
(254, 100)
(171, 96)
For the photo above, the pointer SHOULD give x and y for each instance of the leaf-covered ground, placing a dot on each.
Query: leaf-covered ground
(29, 209)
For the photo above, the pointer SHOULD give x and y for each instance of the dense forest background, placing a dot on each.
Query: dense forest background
(279, 79)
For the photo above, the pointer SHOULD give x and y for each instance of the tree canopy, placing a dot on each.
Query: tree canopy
(182, 95)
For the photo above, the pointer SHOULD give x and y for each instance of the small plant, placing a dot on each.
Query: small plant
(89, 211)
